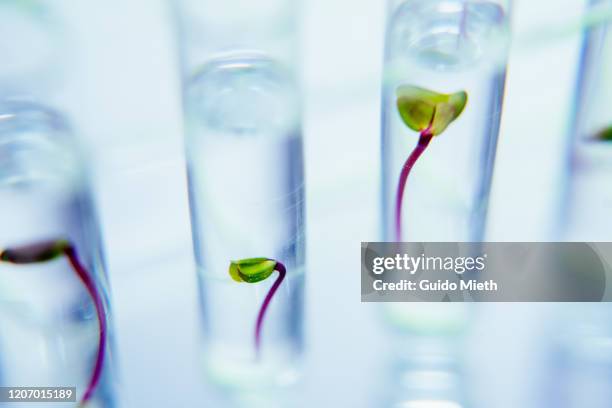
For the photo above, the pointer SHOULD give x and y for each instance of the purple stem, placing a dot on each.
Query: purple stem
(424, 140)
(282, 271)
(97, 300)
(46, 251)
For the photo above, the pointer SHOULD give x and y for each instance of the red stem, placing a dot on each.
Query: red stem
(46, 251)
(282, 271)
(97, 300)
(424, 140)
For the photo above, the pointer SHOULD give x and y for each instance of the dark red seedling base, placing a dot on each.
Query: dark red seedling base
(282, 271)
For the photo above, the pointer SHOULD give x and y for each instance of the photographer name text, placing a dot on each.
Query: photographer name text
(412, 265)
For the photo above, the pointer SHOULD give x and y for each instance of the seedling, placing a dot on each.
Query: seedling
(253, 270)
(51, 250)
(605, 134)
(428, 113)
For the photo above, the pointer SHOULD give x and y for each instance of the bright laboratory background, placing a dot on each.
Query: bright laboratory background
(130, 117)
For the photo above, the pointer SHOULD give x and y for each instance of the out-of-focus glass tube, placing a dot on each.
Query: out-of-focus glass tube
(423, 387)
(54, 307)
(583, 367)
(244, 154)
(589, 192)
(209, 29)
(33, 46)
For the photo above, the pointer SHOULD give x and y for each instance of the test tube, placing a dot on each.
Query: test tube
(54, 304)
(443, 84)
(246, 186)
(209, 29)
(583, 343)
(447, 57)
(587, 204)
(34, 47)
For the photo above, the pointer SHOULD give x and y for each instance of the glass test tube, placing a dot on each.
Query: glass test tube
(246, 185)
(589, 192)
(210, 29)
(584, 346)
(54, 308)
(33, 46)
(444, 46)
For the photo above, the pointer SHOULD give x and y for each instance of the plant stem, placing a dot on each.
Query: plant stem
(46, 251)
(282, 271)
(424, 140)
(85, 277)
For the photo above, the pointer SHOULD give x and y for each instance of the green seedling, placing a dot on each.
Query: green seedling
(253, 270)
(428, 113)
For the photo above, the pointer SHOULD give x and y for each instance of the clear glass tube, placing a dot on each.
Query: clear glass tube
(436, 179)
(54, 307)
(437, 383)
(446, 47)
(34, 48)
(581, 356)
(246, 186)
(584, 346)
(207, 30)
(589, 192)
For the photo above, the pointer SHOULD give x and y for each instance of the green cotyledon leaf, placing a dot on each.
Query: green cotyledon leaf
(605, 134)
(422, 109)
(38, 252)
(251, 270)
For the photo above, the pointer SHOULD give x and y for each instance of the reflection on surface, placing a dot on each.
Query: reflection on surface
(425, 372)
